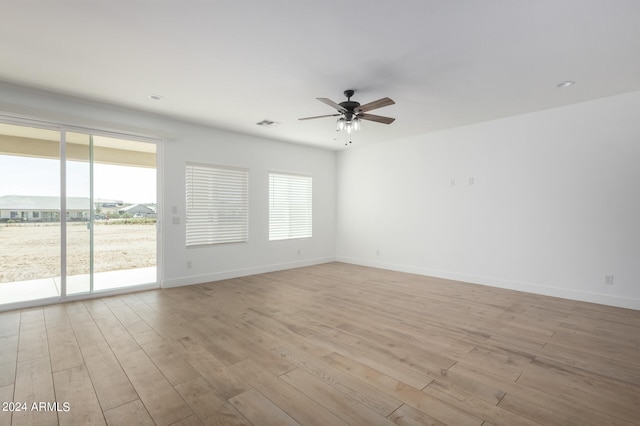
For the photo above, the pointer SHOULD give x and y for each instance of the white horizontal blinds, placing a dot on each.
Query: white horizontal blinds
(217, 204)
(290, 206)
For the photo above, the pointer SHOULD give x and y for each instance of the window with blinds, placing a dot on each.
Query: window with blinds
(290, 206)
(217, 204)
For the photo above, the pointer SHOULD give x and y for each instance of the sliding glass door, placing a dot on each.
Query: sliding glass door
(124, 222)
(77, 213)
(111, 213)
(30, 226)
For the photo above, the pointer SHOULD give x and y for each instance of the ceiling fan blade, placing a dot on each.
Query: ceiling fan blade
(332, 104)
(377, 118)
(375, 104)
(319, 116)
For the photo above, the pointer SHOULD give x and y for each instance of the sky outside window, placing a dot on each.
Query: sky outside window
(40, 176)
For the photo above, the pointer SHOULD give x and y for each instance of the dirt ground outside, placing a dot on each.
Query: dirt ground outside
(32, 251)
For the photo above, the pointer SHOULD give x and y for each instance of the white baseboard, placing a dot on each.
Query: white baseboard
(563, 293)
(237, 273)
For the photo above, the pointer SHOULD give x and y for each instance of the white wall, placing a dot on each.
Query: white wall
(555, 203)
(258, 255)
(184, 142)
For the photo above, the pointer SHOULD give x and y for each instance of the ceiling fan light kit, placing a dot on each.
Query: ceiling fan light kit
(348, 125)
(351, 113)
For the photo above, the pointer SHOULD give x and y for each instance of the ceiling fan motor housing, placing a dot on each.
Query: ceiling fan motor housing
(349, 105)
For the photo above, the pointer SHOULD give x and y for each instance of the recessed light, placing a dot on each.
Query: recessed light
(567, 83)
(156, 97)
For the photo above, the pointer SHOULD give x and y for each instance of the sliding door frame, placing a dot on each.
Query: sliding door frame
(63, 129)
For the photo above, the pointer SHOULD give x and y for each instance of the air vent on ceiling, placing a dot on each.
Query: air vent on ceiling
(266, 123)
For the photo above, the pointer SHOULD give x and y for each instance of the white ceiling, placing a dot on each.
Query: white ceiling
(233, 63)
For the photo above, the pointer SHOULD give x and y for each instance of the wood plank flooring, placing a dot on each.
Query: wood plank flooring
(332, 344)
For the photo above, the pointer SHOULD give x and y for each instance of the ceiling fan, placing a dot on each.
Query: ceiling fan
(350, 113)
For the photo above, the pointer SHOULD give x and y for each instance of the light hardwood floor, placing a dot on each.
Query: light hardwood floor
(332, 344)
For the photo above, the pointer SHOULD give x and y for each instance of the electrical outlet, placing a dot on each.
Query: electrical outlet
(189, 264)
(377, 252)
(299, 252)
(608, 280)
